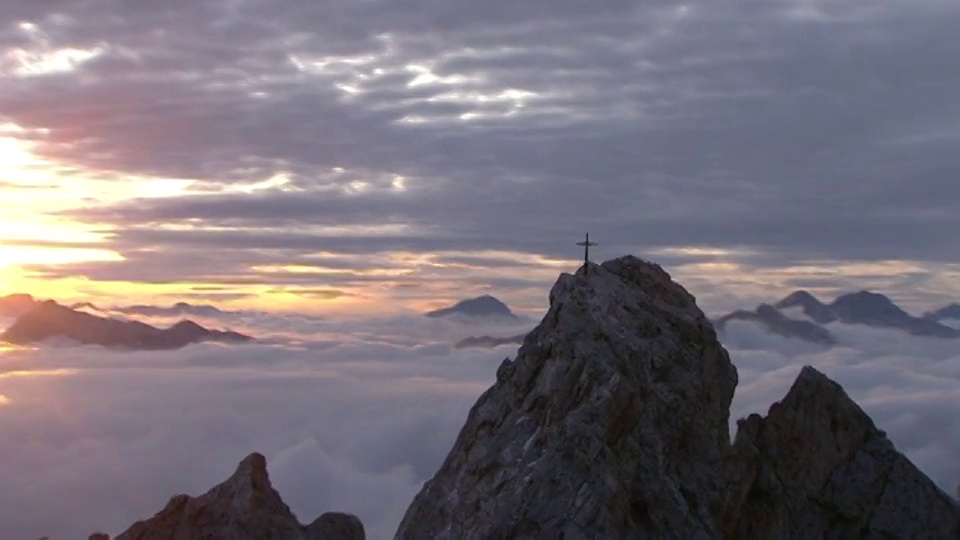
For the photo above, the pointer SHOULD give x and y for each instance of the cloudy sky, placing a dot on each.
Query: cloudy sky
(358, 156)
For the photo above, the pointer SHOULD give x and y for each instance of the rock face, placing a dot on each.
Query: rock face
(481, 306)
(611, 422)
(245, 507)
(778, 323)
(817, 467)
(49, 320)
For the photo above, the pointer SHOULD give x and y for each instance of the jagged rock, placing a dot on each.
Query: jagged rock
(336, 526)
(99, 536)
(611, 422)
(817, 467)
(245, 506)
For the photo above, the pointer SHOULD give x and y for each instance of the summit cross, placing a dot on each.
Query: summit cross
(586, 253)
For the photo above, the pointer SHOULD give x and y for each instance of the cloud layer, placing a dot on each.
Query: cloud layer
(355, 416)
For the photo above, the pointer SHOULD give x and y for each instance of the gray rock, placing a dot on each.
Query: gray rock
(817, 467)
(243, 507)
(336, 526)
(611, 422)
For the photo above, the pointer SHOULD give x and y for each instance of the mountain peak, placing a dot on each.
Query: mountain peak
(243, 506)
(48, 320)
(812, 307)
(611, 422)
(874, 309)
(818, 458)
(481, 306)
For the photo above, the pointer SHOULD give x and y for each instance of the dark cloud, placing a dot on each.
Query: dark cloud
(800, 130)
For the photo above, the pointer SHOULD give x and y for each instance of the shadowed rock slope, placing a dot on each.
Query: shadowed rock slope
(245, 507)
(817, 467)
(612, 423)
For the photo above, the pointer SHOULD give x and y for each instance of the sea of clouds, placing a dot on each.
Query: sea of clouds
(356, 415)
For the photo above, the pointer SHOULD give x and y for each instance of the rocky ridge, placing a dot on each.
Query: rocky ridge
(50, 320)
(860, 308)
(243, 507)
(612, 422)
(778, 323)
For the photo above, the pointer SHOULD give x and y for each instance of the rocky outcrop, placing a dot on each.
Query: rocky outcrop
(244, 507)
(335, 526)
(49, 320)
(817, 467)
(611, 422)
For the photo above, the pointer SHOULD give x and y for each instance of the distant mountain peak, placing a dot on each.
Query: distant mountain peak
(947, 312)
(772, 320)
(482, 306)
(812, 307)
(15, 305)
(862, 307)
(49, 320)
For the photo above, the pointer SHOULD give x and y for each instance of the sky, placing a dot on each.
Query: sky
(374, 157)
(355, 416)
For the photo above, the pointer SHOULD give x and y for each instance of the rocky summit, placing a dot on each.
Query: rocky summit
(817, 467)
(244, 507)
(612, 423)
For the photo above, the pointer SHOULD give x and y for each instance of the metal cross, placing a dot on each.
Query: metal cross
(586, 253)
